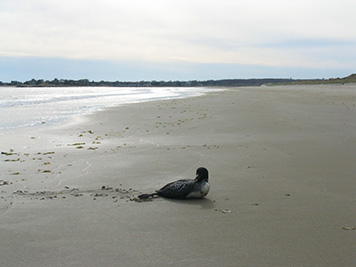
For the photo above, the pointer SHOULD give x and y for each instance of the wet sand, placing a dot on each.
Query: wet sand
(282, 175)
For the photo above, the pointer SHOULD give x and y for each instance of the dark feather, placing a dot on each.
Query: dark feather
(177, 189)
(146, 196)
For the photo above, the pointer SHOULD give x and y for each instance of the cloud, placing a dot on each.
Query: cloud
(307, 33)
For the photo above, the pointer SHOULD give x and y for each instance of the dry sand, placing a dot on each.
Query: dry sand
(282, 174)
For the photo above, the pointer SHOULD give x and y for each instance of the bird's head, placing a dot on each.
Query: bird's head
(202, 174)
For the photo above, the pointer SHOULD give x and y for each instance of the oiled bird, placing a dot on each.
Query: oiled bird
(185, 188)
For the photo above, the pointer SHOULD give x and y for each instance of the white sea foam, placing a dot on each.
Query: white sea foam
(32, 106)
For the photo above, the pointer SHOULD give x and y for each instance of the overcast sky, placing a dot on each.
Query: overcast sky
(176, 39)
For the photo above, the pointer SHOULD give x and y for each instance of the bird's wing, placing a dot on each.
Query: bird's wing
(177, 189)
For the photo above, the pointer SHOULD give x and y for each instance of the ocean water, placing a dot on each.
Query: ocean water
(32, 106)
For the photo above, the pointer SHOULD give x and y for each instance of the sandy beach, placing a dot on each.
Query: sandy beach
(282, 173)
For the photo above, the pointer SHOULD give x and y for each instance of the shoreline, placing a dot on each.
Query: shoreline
(281, 164)
(56, 106)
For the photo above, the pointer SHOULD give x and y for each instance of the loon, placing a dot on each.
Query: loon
(186, 188)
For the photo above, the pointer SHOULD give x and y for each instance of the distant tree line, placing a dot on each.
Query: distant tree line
(195, 83)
